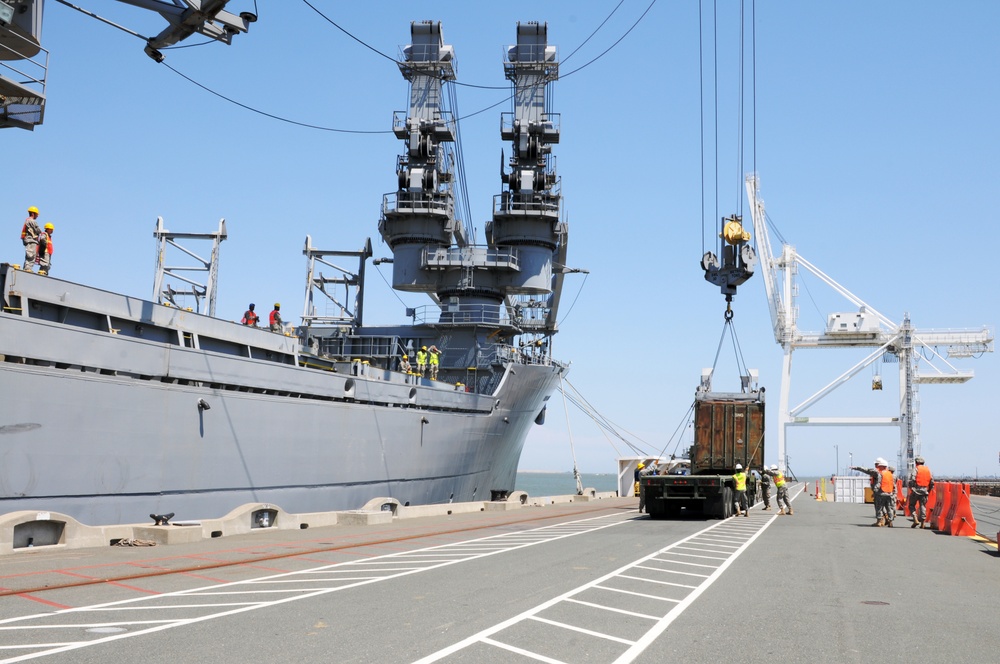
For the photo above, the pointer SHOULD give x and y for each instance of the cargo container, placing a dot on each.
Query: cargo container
(728, 429)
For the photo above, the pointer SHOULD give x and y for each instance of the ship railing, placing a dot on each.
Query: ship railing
(527, 354)
(534, 204)
(22, 82)
(549, 126)
(414, 202)
(475, 313)
(442, 128)
(472, 256)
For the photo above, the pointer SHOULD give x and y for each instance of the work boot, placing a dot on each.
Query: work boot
(746, 513)
(789, 512)
(880, 522)
(766, 508)
(923, 524)
(888, 523)
(915, 524)
(781, 512)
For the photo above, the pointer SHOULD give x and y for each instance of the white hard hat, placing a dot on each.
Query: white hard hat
(739, 467)
(774, 466)
(881, 462)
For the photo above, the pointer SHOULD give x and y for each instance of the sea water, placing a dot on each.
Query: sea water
(562, 484)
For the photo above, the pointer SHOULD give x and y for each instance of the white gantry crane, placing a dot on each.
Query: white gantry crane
(917, 351)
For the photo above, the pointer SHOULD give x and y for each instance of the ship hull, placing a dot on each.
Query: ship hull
(109, 429)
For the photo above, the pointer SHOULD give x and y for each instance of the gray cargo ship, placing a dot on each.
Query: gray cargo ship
(115, 407)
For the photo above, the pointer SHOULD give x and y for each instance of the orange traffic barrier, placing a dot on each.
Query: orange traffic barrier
(963, 523)
(931, 502)
(900, 502)
(941, 514)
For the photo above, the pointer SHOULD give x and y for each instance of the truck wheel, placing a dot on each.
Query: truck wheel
(656, 511)
(727, 502)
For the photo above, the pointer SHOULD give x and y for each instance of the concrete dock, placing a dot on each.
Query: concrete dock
(583, 581)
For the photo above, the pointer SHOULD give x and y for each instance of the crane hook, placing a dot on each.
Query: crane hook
(729, 311)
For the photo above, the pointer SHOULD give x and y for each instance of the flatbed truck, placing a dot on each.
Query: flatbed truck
(728, 429)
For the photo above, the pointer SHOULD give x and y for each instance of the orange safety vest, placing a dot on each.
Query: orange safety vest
(250, 317)
(888, 483)
(923, 476)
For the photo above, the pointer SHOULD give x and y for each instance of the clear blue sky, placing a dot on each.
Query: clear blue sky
(876, 141)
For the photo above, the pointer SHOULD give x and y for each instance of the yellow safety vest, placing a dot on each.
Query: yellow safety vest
(421, 357)
(434, 357)
(779, 479)
(741, 481)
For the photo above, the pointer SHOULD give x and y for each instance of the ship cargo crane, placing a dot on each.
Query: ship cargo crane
(916, 351)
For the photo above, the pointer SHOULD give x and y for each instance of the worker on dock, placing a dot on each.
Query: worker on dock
(920, 487)
(274, 320)
(250, 316)
(45, 249)
(643, 471)
(765, 488)
(784, 505)
(740, 491)
(883, 491)
(434, 361)
(422, 361)
(30, 233)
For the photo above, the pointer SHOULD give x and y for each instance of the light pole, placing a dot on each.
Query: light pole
(836, 469)
(851, 455)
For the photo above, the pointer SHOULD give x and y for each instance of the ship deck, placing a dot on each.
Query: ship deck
(568, 582)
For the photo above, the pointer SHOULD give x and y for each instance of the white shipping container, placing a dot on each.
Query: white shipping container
(850, 488)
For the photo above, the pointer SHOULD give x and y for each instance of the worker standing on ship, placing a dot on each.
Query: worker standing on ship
(765, 488)
(920, 487)
(250, 317)
(404, 364)
(784, 505)
(422, 361)
(740, 490)
(434, 360)
(45, 249)
(30, 233)
(274, 320)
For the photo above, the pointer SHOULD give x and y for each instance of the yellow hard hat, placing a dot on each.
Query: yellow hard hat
(277, 304)
(49, 227)
(33, 209)
(406, 357)
(423, 348)
(641, 465)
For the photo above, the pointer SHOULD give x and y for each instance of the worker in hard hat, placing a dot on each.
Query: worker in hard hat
(250, 316)
(422, 361)
(740, 491)
(765, 488)
(274, 320)
(30, 233)
(781, 486)
(883, 491)
(635, 477)
(644, 470)
(920, 486)
(45, 249)
(434, 361)
(404, 364)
